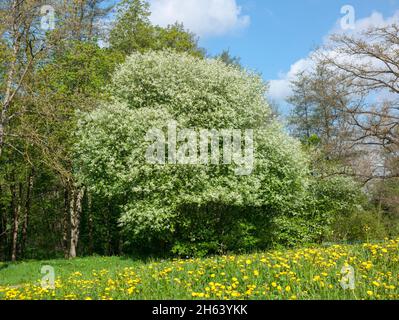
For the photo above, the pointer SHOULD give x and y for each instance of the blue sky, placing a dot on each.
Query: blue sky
(283, 31)
(273, 37)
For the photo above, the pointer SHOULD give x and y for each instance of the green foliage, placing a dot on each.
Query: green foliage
(228, 59)
(177, 38)
(79, 71)
(336, 195)
(133, 32)
(4, 60)
(361, 226)
(74, 81)
(327, 200)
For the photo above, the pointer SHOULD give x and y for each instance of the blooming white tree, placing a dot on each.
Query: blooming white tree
(168, 201)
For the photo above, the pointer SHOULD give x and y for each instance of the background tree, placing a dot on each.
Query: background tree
(369, 65)
(85, 70)
(228, 59)
(347, 105)
(37, 110)
(133, 32)
(51, 75)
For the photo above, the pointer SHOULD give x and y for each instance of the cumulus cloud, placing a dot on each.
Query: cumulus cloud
(376, 19)
(280, 88)
(206, 18)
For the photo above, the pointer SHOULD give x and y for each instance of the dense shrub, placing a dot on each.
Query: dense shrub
(326, 200)
(362, 226)
(190, 209)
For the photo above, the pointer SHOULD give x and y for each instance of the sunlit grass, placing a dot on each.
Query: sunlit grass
(307, 273)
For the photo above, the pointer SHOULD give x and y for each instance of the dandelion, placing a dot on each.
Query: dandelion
(130, 290)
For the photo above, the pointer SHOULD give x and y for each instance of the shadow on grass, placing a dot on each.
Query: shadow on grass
(4, 266)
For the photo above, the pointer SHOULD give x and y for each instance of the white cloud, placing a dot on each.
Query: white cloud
(205, 18)
(280, 88)
(376, 19)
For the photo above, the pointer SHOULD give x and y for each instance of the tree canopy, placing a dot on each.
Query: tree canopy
(154, 89)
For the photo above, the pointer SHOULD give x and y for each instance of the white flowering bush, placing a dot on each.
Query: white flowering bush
(189, 208)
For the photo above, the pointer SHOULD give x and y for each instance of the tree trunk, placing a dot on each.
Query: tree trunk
(65, 224)
(3, 229)
(72, 210)
(1, 136)
(5, 104)
(27, 211)
(76, 210)
(90, 222)
(17, 209)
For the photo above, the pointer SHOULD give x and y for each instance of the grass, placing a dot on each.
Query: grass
(304, 273)
(14, 274)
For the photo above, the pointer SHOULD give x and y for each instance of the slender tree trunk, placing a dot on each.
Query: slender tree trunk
(307, 122)
(1, 136)
(65, 221)
(109, 231)
(6, 100)
(72, 210)
(3, 229)
(5, 104)
(17, 210)
(90, 213)
(27, 211)
(76, 211)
